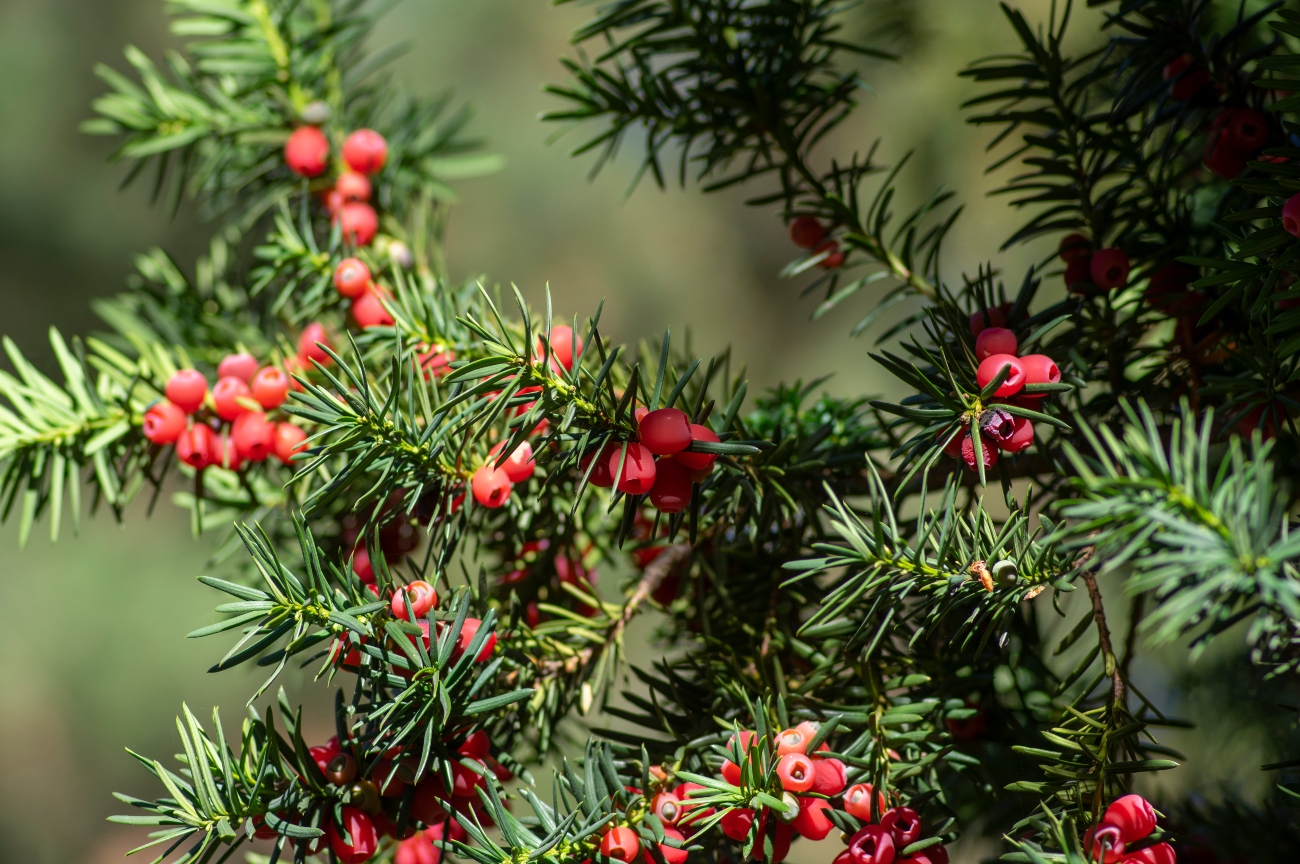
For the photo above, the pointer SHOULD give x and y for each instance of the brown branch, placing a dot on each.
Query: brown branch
(1103, 636)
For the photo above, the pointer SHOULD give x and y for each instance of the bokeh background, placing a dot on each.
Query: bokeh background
(92, 654)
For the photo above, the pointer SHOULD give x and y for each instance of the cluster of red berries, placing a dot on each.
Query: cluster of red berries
(353, 280)
(420, 598)
(1236, 134)
(884, 842)
(995, 349)
(1129, 820)
(1086, 270)
(242, 398)
(1188, 77)
(658, 465)
(365, 151)
(807, 232)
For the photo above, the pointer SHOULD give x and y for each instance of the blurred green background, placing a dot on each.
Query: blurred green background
(92, 630)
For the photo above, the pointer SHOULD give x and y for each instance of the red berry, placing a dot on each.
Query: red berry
(620, 843)
(417, 850)
(254, 436)
(638, 473)
(198, 447)
(187, 389)
(986, 318)
(599, 475)
(1021, 436)
(991, 367)
(903, 824)
(1133, 815)
(312, 343)
(1187, 81)
(796, 772)
(519, 466)
(671, 492)
(667, 806)
(419, 594)
(968, 452)
(368, 310)
(362, 566)
(1040, 369)
(829, 778)
(1290, 216)
(270, 387)
(163, 423)
(995, 340)
(360, 829)
(565, 346)
(289, 440)
(491, 486)
(307, 151)
(671, 854)
(1160, 853)
(857, 802)
(952, 441)
(736, 823)
(467, 633)
(358, 222)
(1109, 268)
(806, 231)
(929, 855)
(231, 397)
(1102, 843)
(1222, 157)
(665, 431)
(353, 186)
(241, 366)
(436, 360)
(834, 255)
(872, 844)
(813, 821)
(1075, 247)
(792, 741)
(1248, 129)
(699, 461)
(477, 745)
(1078, 275)
(365, 150)
(228, 455)
(351, 277)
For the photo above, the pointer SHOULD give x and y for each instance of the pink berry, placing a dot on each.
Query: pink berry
(241, 366)
(1021, 436)
(187, 388)
(991, 367)
(365, 150)
(231, 397)
(1291, 215)
(353, 186)
(290, 440)
(638, 473)
(358, 222)
(671, 491)
(806, 231)
(491, 486)
(665, 431)
(872, 844)
(163, 423)
(352, 277)
(362, 566)
(1160, 853)
(995, 340)
(1221, 155)
(1102, 843)
(698, 461)
(312, 343)
(307, 151)
(270, 387)
(599, 475)
(1109, 268)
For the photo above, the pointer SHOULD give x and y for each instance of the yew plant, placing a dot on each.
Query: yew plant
(862, 631)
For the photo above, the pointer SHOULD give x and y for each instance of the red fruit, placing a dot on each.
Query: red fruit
(968, 455)
(667, 806)
(417, 850)
(1257, 418)
(1109, 268)
(368, 310)
(699, 461)
(952, 441)
(476, 745)
(1102, 843)
(829, 778)
(351, 277)
(427, 804)
(665, 431)
(792, 741)
(565, 346)
(289, 440)
(991, 367)
(362, 566)
(365, 150)
(307, 151)
(782, 834)
(671, 492)
(995, 340)
(519, 466)
(806, 231)
(358, 222)
(464, 781)
(1133, 815)
(1187, 82)
(312, 342)
(533, 615)
(491, 486)
(254, 436)
(1021, 437)
(163, 423)
(1160, 853)
(983, 318)
(967, 728)
(903, 824)
(857, 801)
(231, 397)
(638, 473)
(270, 387)
(419, 594)
(834, 257)
(467, 633)
(1290, 218)
(353, 186)
(929, 855)
(796, 772)
(671, 854)
(1075, 247)
(187, 389)
(436, 361)
(1248, 129)
(1040, 369)
(730, 772)
(198, 447)
(813, 821)
(241, 366)
(736, 823)
(361, 832)
(1222, 157)
(620, 843)
(872, 844)
(1078, 276)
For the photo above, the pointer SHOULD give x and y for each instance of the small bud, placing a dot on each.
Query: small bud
(791, 804)
(1005, 572)
(316, 113)
(400, 254)
(998, 424)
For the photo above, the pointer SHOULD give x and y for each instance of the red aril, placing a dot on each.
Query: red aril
(198, 447)
(671, 854)
(307, 151)
(163, 423)
(1078, 276)
(671, 491)
(1109, 268)
(231, 397)
(362, 566)
(834, 255)
(995, 340)
(254, 436)
(186, 389)
(620, 843)
(830, 776)
(351, 277)
(519, 466)
(419, 594)
(638, 468)
(241, 366)
(1290, 215)
(353, 186)
(312, 342)
(806, 231)
(796, 772)
(360, 830)
(699, 461)
(599, 475)
(1040, 369)
(1021, 437)
(565, 347)
(991, 367)
(984, 318)
(813, 821)
(289, 441)
(270, 387)
(368, 310)
(491, 486)
(1075, 247)
(1222, 157)
(665, 431)
(365, 150)
(1248, 130)
(903, 824)
(1133, 815)
(857, 802)
(467, 633)
(969, 456)
(358, 222)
